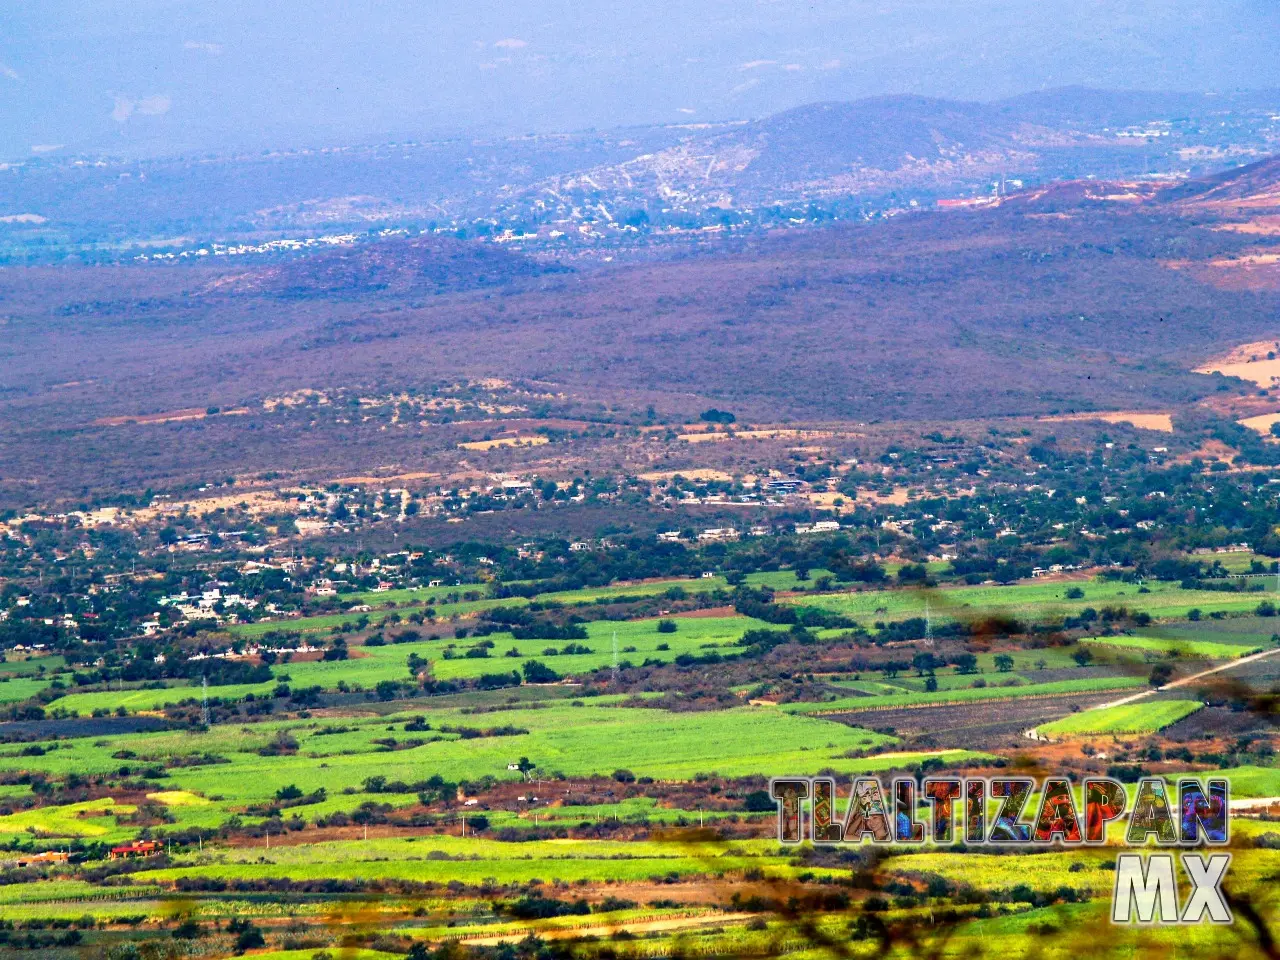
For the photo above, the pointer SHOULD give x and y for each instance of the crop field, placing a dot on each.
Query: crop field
(966, 695)
(17, 689)
(1143, 717)
(1252, 781)
(1249, 631)
(1243, 561)
(308, 817)
(1031, 601)
(385, 614)
(573, 741)
(30, 666)
(637, 641)
(387, 602)
(92, 818)
(515, 865)
(1174, 646)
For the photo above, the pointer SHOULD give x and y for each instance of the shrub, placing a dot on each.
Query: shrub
(758, 801)
(535, 672)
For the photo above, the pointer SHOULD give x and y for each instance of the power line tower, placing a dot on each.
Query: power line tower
(204, 700)
(615, 653)
(928, 626)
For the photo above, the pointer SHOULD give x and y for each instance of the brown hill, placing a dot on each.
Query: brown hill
(399, 267)
(1253, 187)
(985, 314)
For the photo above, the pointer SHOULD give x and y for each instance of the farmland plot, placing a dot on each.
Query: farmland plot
(1149, 716)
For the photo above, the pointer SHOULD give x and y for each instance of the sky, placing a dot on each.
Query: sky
(156, 77)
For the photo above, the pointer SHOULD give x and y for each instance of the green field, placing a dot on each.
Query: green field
(370, 665)
(1250, 781)
(18, 689)
(1033, 601)
(1149, 716)
(965, 695)
(1237, 562)
(31, 666)
(406, 601)
(92, 818)
(1250, 631)
(646, 796)
(562, 738)
(1176, 646)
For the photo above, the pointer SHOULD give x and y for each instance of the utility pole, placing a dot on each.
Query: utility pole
(615, 649)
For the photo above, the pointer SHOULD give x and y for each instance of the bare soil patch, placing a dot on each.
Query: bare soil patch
(172, 416)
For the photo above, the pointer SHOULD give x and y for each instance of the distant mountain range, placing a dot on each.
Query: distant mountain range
(591, 189)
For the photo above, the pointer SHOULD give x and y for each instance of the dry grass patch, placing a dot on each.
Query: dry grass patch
(1162, 422)
(504, 442)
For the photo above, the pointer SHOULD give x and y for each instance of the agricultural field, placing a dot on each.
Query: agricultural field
(637, 641)
(574, 741)
(1014, 690)
(1032, 601)
(434, 809)
(1243, 561)
(1146, 716)
(1173, 647)
(1249, 631)
(17, 689)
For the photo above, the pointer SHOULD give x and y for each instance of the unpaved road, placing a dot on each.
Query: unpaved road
(1185, 681)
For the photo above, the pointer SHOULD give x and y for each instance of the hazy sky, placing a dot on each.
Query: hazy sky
(164, 76)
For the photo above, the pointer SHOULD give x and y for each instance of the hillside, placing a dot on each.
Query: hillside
(1072, 301)
(1252, 187)
(812, 163)
(828, 140)
(399, 267)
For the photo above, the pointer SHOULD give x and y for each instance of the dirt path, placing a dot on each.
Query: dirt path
(644, 926)
(1185, 681)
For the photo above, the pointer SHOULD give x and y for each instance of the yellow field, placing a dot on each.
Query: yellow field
(1162, 422)
(504, 442)
(1248, 362)
(1262, 423)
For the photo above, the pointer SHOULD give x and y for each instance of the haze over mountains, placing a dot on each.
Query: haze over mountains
(565, 193)
(152, 78)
